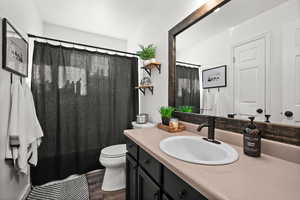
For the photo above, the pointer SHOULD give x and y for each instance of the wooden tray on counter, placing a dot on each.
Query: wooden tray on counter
(169, 129)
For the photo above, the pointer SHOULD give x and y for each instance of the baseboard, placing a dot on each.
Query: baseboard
(25, 192)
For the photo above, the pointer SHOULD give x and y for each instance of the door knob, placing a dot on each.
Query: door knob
(288, 114)
(259, 111)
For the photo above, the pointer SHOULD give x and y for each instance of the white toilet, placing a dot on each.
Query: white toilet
(113, 158)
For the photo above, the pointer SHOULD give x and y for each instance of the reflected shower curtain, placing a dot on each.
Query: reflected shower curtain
(84, 101)
(188, 87)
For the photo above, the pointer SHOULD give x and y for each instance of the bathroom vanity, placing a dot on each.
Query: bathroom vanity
(147, 178)
(152, 174)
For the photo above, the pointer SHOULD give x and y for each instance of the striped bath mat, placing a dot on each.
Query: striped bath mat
(74, 189)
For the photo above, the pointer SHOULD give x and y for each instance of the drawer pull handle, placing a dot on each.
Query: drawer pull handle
(147, 161)
(182, 194)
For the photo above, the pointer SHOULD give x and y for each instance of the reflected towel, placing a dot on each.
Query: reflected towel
(208, 101)
(219, 101)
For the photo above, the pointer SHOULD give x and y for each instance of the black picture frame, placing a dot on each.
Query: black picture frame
(213, 69)
(20, 54)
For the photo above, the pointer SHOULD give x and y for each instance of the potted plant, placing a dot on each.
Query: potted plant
(147, 54)
(186, 109)
(166, 114)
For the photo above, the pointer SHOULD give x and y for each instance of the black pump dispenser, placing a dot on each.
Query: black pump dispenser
(252, 139)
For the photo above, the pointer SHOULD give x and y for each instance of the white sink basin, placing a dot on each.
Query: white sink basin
(195, 149)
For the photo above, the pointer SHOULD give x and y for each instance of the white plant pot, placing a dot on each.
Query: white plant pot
(153, 60)
(147, 62)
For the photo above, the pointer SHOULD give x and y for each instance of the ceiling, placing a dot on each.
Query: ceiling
(230, 15)
(116, 18)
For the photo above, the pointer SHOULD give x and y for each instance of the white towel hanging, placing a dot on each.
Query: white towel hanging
(23, 124)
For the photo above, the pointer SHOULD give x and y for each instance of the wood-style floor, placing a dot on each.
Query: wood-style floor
(95, 179)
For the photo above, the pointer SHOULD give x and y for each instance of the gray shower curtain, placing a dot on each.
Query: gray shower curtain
(187, 87)
(84, 101)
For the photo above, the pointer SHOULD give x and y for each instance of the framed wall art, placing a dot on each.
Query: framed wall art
(15, 50)
(214, 77)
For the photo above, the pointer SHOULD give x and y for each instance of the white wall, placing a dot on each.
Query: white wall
(216, 51)
(69, 34)
(155, 30)
(25, 17)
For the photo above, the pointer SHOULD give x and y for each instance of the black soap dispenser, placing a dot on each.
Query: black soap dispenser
(252, 139)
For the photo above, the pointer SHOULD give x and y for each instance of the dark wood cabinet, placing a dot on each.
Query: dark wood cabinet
(147, 188)
(151, 166)
(164, 197)
(131, 178)
(176, 188)
(148, 179)
(132, 149)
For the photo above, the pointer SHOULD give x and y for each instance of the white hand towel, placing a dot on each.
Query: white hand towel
(23, 123)
(14, 118)
(16, 126)
(33, 129)
(208, 102)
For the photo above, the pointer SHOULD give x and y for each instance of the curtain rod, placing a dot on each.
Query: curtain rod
(80, 44)
(188, 63)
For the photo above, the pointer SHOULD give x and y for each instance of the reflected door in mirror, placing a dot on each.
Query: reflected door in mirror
(291, 73)
(250, 78)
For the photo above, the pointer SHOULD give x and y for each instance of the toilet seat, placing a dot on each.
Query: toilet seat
(115, 151)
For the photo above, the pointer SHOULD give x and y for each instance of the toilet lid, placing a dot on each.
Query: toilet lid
(114, 151)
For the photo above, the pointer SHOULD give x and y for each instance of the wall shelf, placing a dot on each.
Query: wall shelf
(143, 88)
(148, 68)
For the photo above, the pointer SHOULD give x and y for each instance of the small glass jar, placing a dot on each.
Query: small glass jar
(174, 123)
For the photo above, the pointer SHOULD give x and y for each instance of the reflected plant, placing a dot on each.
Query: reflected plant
(186, 109)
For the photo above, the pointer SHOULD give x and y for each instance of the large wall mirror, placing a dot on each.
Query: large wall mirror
(241, 59)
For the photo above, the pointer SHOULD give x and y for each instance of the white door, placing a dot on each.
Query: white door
(250, 79)
(291, 73)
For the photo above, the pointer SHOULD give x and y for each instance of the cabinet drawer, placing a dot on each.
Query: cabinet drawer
(177, 189)
(150, 165)
(147, 189)
(132, 148)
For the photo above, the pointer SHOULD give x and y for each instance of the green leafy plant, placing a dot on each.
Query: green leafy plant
(147, 52)
(186, 109)
(166, 111)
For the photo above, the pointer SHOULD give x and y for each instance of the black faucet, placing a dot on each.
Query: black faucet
(211, 129)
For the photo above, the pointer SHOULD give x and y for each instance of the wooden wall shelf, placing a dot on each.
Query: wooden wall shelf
(148, 68)
(143, 88)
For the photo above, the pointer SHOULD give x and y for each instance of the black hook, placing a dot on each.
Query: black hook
(11, 77)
